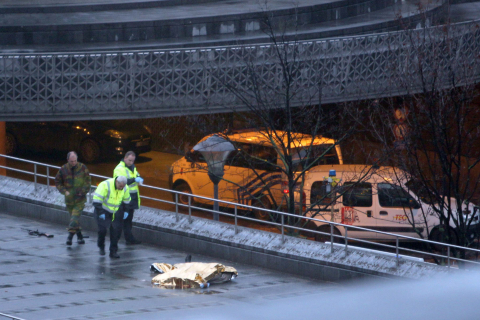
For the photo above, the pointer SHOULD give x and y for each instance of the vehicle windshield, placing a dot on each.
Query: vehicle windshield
(305, 156)
(357, 194)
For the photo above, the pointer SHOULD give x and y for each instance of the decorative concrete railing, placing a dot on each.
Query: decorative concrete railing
(192, 81)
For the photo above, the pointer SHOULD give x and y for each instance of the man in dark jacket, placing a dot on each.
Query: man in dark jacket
(73, 180)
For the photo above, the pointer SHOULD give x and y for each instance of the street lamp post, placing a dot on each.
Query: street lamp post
(215, 150)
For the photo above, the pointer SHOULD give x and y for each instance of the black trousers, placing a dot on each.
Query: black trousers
(115, 228)
(127, 227)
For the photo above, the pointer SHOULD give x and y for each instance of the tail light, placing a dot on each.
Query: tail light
(285, 187)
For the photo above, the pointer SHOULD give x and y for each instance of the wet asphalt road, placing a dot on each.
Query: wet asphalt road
(42, 278)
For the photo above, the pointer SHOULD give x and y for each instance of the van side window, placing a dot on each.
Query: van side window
(357, 194)
(391, 196)
(318, 193)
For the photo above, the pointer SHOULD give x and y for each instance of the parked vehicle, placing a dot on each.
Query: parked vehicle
(252, 172)
(93, 140)
(373, 198)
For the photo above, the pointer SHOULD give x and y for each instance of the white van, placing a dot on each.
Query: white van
(373, 198)
(252, 172)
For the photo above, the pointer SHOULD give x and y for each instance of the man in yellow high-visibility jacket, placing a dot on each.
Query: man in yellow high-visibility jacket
(109, 201)
(127, 168)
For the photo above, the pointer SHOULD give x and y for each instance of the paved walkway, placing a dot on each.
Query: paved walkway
(42, 278)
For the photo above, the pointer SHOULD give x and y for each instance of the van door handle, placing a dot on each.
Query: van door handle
(369, 213)
(383, 213)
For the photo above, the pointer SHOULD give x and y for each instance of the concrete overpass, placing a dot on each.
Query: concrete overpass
(157, 83)
(102, 80)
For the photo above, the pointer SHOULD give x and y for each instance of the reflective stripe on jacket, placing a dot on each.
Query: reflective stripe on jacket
(111, 198)
(122, 170)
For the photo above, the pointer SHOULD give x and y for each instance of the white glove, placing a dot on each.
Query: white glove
(125, 215)
(102, 216)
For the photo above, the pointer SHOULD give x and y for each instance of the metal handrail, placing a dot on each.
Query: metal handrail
(10, 316)
(280, 224)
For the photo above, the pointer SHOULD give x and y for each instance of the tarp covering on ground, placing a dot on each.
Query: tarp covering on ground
(191, 274)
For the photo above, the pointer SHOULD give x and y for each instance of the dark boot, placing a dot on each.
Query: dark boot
(69, 239)
(114, 255)
(80, 238)
(102, 251)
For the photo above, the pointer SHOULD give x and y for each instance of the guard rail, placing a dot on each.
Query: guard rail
(10, 317)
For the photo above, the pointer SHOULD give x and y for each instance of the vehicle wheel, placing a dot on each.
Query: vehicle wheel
(182, 187)
(89, 151)
(443, 234)
(11, 146)
(261, 202)
(326, 238)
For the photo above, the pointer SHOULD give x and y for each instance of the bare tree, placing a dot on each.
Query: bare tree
(432, 131)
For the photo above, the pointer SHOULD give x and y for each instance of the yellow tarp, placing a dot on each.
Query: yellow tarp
(192, 274)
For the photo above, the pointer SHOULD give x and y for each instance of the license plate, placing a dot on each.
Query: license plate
(142, 143)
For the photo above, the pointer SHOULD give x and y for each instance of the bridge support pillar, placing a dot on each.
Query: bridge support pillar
(3, 140)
